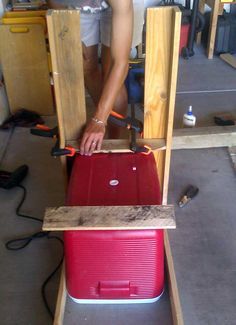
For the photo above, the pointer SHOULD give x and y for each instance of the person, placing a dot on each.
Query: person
(115, 24)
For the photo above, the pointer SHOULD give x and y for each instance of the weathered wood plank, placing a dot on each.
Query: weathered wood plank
(67, 65)
(109, 217)
(204, 137)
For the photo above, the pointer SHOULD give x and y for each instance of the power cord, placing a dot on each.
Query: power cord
(21, 203)
(21, 243)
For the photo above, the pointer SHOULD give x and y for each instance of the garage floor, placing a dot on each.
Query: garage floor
(203, 244)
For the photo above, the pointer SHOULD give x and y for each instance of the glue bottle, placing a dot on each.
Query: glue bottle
(189, 119)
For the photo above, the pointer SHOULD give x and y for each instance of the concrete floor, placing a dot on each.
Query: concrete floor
(203, 244)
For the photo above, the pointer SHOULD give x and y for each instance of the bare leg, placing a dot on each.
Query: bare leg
(92, 72)
(121, 103)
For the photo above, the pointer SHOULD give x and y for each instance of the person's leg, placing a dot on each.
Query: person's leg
(92, 72)
(121, 103)
(89, 30)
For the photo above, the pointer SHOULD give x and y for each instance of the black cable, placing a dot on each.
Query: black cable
(44, 285)
(21, 243)
(21, 203)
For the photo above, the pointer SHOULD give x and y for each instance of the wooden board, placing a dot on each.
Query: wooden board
(123, 145)
(162, 48)
(229, 58)
(61, 299)
(67, 65)
(212, 29)
(109, 218)
(186, 138)
(204, 137)
(173, 287)
(25, 68)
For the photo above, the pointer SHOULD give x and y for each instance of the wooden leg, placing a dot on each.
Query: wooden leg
(61, 300)
(212, 30)
(201, 10)
(172, 284)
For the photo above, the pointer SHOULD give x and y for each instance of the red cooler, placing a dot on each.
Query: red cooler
(114, 266)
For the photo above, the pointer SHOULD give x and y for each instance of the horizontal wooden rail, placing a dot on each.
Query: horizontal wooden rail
(186, 138)
(109, 217)
(123, 145)
(204, 137)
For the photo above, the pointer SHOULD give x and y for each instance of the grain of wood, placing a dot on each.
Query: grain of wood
(25, 67)
(109, 217)
(67, 65)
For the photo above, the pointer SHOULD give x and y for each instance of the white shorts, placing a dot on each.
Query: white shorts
(96, 28)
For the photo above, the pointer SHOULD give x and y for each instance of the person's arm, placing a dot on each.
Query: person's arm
(121, 38)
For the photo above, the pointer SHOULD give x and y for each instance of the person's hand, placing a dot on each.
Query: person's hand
(92, 138)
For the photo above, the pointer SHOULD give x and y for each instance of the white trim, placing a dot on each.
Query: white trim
(116, 301)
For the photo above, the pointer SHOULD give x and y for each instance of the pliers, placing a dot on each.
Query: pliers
(189, 194)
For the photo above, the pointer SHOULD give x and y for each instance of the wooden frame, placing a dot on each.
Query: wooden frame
(162, 52)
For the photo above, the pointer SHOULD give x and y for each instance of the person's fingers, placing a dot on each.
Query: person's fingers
(87, 145)
(93, 146)
(99, 144)
(82, 144)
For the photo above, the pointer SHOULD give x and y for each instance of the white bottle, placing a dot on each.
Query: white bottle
(189, 119)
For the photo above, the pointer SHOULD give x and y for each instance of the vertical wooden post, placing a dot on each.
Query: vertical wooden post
(68, 76)
(162, 53)
(212, 30)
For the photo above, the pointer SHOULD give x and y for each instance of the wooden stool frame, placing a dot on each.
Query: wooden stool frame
(161, 67)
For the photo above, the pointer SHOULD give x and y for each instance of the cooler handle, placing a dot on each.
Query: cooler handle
(114, 289)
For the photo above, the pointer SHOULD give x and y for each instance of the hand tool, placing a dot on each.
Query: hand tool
(131, 123)
(190, 193)
(44, 131)
(133, 145)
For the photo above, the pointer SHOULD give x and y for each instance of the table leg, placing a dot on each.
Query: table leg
(212, 29)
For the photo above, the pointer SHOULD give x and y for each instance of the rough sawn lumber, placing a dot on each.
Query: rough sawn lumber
(109, 217)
